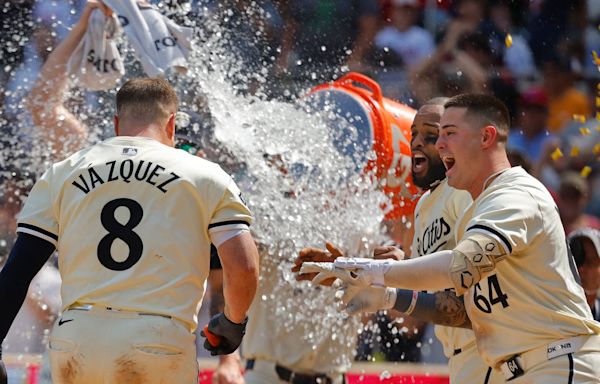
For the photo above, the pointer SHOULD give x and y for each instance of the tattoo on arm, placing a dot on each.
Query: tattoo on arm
(442, 308)
(452, 309)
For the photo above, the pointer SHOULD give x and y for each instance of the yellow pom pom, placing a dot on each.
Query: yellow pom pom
(585, 131)
(508, 41)
(557, 154)
(596, 149)
(596, 58)
(585, 171)
(579, 118)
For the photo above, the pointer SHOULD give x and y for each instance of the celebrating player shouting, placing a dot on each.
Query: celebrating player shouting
(132, 219)
(511, 261)
(435, 222)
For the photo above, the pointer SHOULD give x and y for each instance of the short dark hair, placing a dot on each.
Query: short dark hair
(437, 101)
(146, 100)
(485, 110)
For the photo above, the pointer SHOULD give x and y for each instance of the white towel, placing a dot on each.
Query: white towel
(158, 42)
(96, 62)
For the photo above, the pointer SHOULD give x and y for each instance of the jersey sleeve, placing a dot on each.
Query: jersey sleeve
(509, 215)
(38, 216)
(231, 212)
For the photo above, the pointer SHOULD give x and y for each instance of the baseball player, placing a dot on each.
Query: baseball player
(511, 260)
(132, 219)
(585, 246)
(434, 220)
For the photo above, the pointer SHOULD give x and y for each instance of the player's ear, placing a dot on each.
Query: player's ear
(171, 128)
(116, 125)
(489, 134)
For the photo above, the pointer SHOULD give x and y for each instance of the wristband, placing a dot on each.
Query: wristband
(413, 303)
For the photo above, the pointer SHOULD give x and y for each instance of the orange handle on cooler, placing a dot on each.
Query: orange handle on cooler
(366, 81)
(213, 339)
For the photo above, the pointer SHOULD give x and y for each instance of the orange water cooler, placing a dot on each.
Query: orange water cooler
(380, 126)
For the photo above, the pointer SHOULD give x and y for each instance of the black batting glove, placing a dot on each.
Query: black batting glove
(222, 335)
(3, 377)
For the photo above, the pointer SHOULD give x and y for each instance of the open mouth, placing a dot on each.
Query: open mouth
(448, 162)
(419, 162)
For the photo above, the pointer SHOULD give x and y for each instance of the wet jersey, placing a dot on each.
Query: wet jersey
(131, 219)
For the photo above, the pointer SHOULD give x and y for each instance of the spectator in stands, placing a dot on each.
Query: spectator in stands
(322, 36)
(564, 99)
(550, 22)
(517, 57)
(403, 36)
(585, 246)
(531, 135)
(573, 196)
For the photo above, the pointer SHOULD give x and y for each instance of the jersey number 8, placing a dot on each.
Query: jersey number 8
(120, 231)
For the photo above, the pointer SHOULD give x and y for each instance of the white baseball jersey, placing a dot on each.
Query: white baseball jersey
(131, 219)
(532, 297)
(436, 214)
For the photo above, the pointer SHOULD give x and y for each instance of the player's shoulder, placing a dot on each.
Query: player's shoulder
(515, 188)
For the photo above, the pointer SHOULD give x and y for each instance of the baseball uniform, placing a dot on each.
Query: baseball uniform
(529, 314)
(436, 214)
(302, 341)
(132, 221)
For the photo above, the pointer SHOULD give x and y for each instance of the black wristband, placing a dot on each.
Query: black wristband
(403, 299)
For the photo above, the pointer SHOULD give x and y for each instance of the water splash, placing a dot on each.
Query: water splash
(301, 189)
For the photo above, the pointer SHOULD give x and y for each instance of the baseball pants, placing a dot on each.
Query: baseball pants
(467, 366)
(101, 346)
(578, 366)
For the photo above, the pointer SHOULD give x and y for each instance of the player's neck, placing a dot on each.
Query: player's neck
(151, 131)
(490, 169)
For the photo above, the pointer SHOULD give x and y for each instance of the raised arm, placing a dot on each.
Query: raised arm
(59, 127)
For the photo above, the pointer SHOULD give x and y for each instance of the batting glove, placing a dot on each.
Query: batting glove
(355, 271)
(366, 299)
(222, 335)
(3, 377)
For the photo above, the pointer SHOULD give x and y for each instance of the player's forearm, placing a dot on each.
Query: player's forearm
(52, 81)
(441, 308)
(217, 300)
(429, 273)
(239, 258)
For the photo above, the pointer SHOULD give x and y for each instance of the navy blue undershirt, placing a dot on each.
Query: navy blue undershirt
(27, 257)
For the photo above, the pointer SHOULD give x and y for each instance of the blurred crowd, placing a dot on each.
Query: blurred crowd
(536, 56)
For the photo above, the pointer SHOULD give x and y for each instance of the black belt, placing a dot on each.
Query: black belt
(290, 376)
